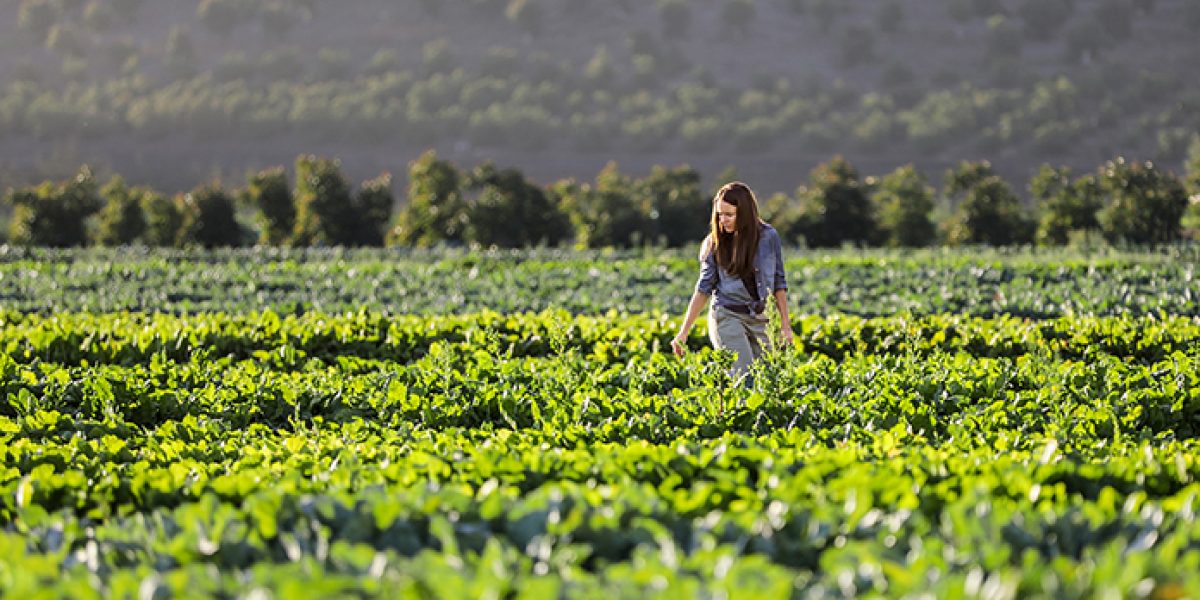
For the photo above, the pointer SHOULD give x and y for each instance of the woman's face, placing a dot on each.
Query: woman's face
(726, 217)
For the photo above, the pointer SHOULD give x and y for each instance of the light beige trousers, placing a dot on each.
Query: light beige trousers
(745, 335)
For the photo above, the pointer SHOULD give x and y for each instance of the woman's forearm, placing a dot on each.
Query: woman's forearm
(699, 299)
(781, 303)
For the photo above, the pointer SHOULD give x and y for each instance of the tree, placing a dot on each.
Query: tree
(1193, 166)
(836, 206)
(324, 208)
(208, 218)
(902, 203)
(373, 204)
(434, 212)
(675, 204)
(1141, 203)
(53, 214)
(988, 211)
(1065, 206)
(602, 217)
(121, 221)
(507, 211)
(269, 192)
(164, 218)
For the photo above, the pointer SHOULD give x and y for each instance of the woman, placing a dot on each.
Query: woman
(741, 260)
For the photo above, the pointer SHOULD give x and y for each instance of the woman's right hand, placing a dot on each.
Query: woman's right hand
(679, 345)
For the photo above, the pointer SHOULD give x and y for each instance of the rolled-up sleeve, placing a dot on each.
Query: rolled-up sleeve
(780, 280)
(708, 275)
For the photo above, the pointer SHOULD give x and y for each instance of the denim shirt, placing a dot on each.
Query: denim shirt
(728, 289)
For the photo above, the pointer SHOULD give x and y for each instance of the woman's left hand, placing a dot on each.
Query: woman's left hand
(785, 336)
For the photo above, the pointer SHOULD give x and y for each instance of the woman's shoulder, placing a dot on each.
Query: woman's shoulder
(706, 247)
(767, 231)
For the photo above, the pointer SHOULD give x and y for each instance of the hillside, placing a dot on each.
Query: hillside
(172, 92)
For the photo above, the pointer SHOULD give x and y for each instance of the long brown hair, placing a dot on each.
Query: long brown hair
(735, 251)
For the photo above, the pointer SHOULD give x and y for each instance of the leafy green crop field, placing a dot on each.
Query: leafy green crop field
(333, 424)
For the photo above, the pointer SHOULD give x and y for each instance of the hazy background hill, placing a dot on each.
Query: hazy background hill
(173, 92)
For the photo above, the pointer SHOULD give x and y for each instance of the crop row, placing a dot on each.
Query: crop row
(292, 340)
(1037, 285)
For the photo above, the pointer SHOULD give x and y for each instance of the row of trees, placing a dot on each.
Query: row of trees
(1123, 201)
(322, 209)
(1049, 118)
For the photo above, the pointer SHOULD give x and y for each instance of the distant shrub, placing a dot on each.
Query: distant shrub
(1141, 203)
(987, 211)
(836, 206)
(208, 218)
(122, 220)
(164, 219)
(269, 192)
(325, 211)
(373, 204)
(53, 214)
(433, 212)
(676, 205)
(500, 199)
(902, 204)
(1066, 206)
(605, 215)
(1192, 166)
